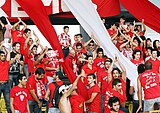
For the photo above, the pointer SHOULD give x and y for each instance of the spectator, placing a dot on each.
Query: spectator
(36, 90)
(137, 60)
(65, 92)
(2, 31)
(156, 45)
(16, 32)
(134, 90)
(16, 64)
(51, 90)
(4, 78)
(65, 41)
(19, 96)
(155, 61)
(149, 81)
(114, 104)
(94, 100)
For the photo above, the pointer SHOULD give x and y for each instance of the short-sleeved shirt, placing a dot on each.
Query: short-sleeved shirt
(150, 83)
(95, 105)
(64, 39)
(31, 63)
(20, 96)
(101, 75)
(4, 66)
(99, 63)
(155, 64)
(37, 86)
(16, 35)
(137, 62)
(15, 66)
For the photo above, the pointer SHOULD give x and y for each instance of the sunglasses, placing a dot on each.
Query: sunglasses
(91, 44)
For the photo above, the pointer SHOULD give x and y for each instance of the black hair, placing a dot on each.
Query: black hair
(2, 52)
(108, 60)
(15, 43)
(154, 44)
(65, 27)
(4, 20)
(88, 56)
(26, 30)
(134, 52)
(123, 17)
(141, 68)
(136, 38)
(116, 81)
(79, 44)
(154, 50)
(93, 75)
(39, 71)
(117, 70)
(20, 76)
(112, 100)
(34, 47)
(148, 65)
(79, 35)
(99, 50)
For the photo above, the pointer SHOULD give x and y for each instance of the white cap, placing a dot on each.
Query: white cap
(63, 87)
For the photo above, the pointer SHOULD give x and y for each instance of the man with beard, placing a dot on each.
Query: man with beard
(114, 104)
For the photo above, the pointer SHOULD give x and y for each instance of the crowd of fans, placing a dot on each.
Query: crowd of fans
(30, 80)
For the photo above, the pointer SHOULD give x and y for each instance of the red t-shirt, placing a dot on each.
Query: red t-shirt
(77, 102)
(95, 106)
(20, 96)
(31, 63)
(37, 85)
(150, 83)
(137, 62)
(4, 66)
(16, 35)
(52, 87)
(111, 32)
(22, 41)
(101, 75)
(54, 62)
(118, 44)
(99, 63)
(111, 93)
(26, 55)
(155, 64)
(87, 71)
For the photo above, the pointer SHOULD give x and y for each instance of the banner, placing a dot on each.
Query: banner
(144, 9)
(89, 19)
(12, 10)
(37, 13)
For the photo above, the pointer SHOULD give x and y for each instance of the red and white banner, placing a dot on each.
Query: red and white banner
(12, 10)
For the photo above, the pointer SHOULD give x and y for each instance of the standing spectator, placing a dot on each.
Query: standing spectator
(65, 41)
(19, 96)
(149, 81)
(2, 31)
(141, 31)
(36, 90)
(114, 104)
(94, 100)
(15, 64)
(134, 90)
(99, 60)
(112, 30)
(65, 92)
(137, 60)
(155, 61)
(7, 34)
(16, 32)
(50, 92)
(4, 79)
(156, 45)
(77, 102)
(87, 69)
(71, 60)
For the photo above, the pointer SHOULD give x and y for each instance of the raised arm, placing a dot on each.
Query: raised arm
(123, 69)
(24, 24)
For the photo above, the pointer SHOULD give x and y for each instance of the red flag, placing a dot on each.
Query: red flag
(38, 14)
(143, 9)
(107, 8)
